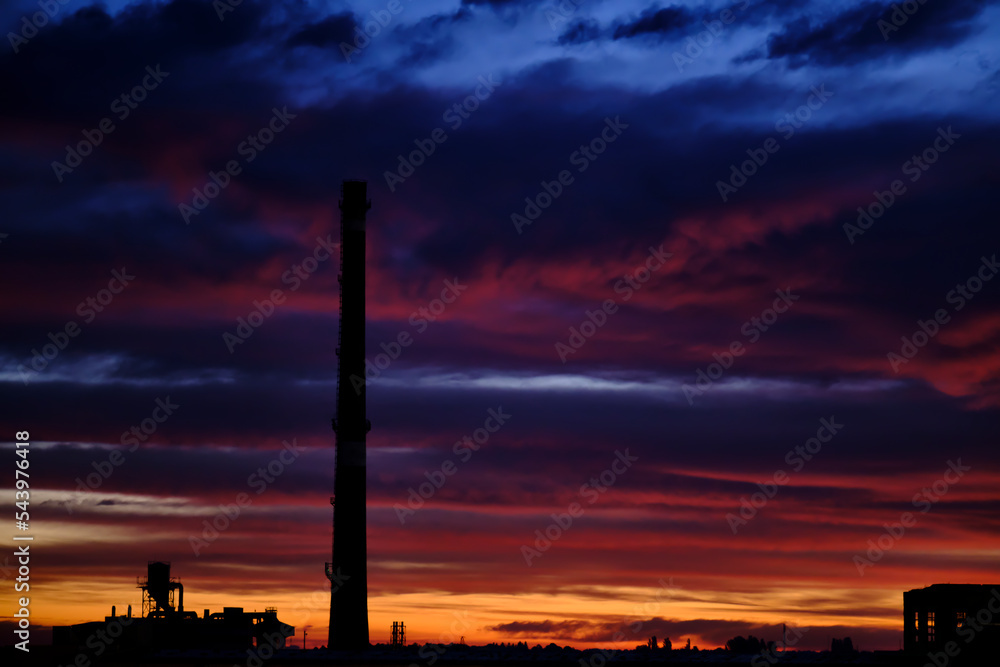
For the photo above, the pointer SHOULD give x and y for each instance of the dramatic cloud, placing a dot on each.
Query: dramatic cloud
(654, 22)
(721, 253)
(875, 30)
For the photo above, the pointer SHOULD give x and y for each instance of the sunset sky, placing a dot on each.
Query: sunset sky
(689, 174)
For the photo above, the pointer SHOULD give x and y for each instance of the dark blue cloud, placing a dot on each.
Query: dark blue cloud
(875, 30)
(658, 22)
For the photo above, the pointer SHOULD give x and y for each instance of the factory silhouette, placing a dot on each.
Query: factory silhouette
(944, 625)
(348, 571)
(164, 623)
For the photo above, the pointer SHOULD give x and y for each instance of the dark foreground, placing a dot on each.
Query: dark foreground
(469, 656)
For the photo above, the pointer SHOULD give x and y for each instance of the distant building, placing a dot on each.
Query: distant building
(966, 614)
(165, 624)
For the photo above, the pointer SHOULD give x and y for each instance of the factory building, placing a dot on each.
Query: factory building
(164, 624)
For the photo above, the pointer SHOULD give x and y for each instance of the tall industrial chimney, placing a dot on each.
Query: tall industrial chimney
(348, 572)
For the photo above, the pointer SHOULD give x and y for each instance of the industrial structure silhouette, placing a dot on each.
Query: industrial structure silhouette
(164, 624)
(347, 571)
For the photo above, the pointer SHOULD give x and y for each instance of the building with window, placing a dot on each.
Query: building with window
(967, 615)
